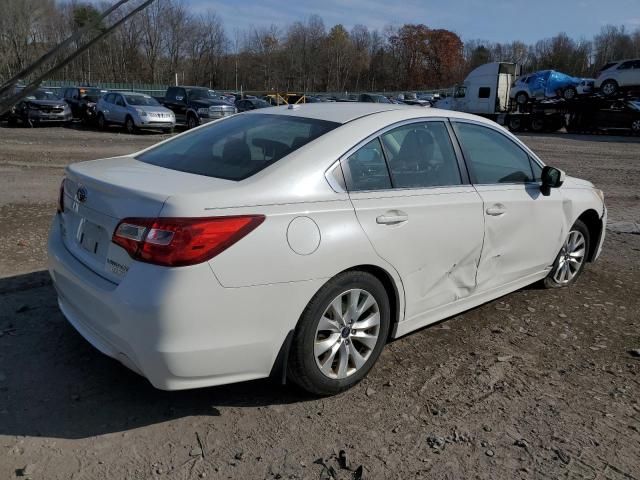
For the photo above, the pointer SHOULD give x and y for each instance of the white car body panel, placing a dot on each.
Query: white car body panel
(624, 77)
(226, 320)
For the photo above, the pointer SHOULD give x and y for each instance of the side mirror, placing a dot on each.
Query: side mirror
(551, 178)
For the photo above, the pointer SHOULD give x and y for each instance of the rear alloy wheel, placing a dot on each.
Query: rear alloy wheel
(130, 126)
(340, 334)
(609, 87)
(571, 259)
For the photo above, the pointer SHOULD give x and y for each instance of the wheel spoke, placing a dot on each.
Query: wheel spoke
(577, 253)
(357, 359)
(327, 365)
(327, 324)
(372, 320)
(323, 345)
(343, 360)
(366, 339)
(336, 307)
(369, 301)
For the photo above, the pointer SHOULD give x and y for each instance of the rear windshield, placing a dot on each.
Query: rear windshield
(238, 147)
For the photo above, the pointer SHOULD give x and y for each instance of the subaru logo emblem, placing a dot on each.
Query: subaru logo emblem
(81, 194)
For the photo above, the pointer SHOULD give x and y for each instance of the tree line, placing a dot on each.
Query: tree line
(168, 40)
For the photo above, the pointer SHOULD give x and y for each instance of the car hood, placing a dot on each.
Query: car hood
(48, 103)
(206, 102)
(573, 182)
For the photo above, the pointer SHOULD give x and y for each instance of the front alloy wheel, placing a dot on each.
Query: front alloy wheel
(635, 126)
(571, 259)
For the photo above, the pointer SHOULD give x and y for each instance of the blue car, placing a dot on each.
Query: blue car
(544, 84)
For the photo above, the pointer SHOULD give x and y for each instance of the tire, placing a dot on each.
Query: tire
(522, 98)
(167, 130)
(102, 122)
(344, 349)
(537, 125)
(571, 249)
(515, 123)
(192, 121)
(569, 93)
(635, 126)
(130, 126)
(609, 88)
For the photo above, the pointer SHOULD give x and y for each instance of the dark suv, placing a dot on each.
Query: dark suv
(196, 105)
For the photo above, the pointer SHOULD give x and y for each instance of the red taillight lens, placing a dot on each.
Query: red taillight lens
(61, 197)
(178, 242)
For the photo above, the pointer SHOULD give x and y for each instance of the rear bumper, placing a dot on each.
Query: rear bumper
(178, 327)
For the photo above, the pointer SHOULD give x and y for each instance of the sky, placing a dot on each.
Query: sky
(491, 20)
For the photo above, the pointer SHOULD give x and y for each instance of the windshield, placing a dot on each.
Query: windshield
(238, 147)
(607, 66)
(144, 100)
(43, 95)
(202, 93)
(260, 103)
(635, 104)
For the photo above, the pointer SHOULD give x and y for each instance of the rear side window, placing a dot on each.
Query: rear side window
(492, 157)
(421, 155)
(238, 147)
(367, 169)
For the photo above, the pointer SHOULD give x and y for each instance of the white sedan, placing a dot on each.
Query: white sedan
(297, 241)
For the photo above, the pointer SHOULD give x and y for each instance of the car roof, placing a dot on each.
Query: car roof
(344, 112)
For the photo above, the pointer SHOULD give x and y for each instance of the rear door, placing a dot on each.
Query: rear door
(523, 229)
(420, 213)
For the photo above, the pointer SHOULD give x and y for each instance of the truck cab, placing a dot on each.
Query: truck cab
(194, 106)
(485, 91)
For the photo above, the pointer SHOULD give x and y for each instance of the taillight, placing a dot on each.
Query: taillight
(178, 242)
(61, 197)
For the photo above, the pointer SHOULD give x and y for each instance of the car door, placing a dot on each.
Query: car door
(119, 109)
(625, 73)
(419, 211)
(176, 100)
(523, 228)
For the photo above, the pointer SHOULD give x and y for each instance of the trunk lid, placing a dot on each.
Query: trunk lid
(98, 194)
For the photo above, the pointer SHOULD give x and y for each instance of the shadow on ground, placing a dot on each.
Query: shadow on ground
(55, 384)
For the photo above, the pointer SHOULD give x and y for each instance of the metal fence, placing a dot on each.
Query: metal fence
(155, 90)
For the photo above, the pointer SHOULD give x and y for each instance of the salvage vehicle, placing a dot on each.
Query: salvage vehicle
(251, 104)
(193, 106)
(489, 91)
(296, 241)
(82, 101)
(544, 84)
(620, 75)
(40, 107)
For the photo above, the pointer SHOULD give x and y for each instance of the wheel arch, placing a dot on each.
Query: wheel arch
(594, 224)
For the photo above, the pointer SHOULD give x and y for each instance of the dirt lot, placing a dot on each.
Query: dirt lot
(538, 384)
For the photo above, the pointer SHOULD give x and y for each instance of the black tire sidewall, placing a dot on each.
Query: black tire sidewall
(302, 366)
(133, 125)
(549, 281)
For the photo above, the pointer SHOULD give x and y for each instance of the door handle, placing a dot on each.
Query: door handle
(496, 210)
(392, 218)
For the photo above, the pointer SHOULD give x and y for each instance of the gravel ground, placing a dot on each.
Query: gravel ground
(537, 384)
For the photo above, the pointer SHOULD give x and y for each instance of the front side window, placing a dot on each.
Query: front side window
(626, 65)
(366, 169)
(492, 157)
(238, 147)
(421, 155)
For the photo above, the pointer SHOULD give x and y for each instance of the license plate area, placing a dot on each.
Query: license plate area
(92, 238)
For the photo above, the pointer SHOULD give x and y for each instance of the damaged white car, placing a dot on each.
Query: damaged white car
(297, 241)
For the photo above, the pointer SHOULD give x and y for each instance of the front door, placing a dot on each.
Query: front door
(418, 211)
(524, 229)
